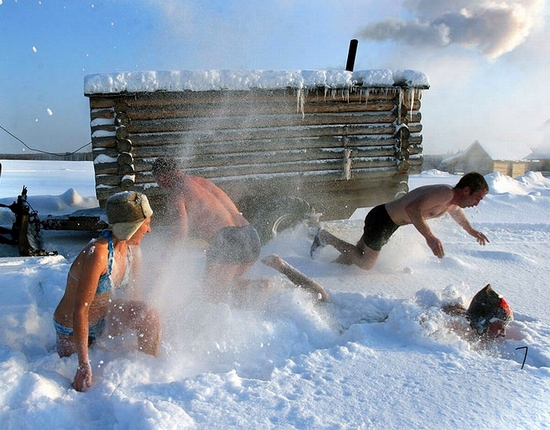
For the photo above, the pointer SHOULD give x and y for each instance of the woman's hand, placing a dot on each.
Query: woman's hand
(83, 378)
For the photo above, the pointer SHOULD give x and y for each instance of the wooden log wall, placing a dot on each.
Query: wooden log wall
(334, 148)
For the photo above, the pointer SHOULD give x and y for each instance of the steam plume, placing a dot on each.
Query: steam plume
(492, 27)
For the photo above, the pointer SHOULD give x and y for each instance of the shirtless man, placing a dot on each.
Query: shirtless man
(430, 201)
(203, 210)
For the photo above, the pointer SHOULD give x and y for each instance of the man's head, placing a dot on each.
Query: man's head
(126, 212)
(473, 180)
(472, 188)
(163, 170)
(164, 165)
(489, 313)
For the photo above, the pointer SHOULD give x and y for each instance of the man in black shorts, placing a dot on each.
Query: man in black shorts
(430, 201)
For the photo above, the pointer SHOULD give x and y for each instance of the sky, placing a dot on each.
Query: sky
(380, 354)
(487, 60)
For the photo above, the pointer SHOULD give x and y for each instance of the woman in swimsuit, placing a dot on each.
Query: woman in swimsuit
(107, 263)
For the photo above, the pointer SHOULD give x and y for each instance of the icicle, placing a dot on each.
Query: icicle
(367, 93)
(300, 102)
(412, 104)
(399, 105)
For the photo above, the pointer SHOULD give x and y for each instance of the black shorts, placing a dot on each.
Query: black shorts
(378, 228)
(234, 245)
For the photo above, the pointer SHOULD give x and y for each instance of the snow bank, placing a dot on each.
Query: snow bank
(380, 354)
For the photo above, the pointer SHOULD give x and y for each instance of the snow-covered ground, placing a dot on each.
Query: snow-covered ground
(281, 361)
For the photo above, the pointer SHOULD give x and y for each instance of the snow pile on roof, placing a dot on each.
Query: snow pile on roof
(510, 151)
(540, 152)
(213, 80)
(496, 151)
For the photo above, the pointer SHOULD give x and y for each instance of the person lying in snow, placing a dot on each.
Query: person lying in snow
(488, 314)
(88, 307)
(415, 207)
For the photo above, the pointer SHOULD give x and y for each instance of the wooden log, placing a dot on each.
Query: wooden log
(124, 145)
(255, 109)
(103, 142)
(122, 118)
(254, 96)
(98, 102)
(107, 114)
(187, 99)
(155, 146)
(122, 132)
(125, 158)
(209, 135)
(110, 128)
(258, 122)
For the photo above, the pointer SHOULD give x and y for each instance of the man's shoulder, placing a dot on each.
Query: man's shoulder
(442, 190)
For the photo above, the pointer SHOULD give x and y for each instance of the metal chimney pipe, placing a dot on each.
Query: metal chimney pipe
(351, 55)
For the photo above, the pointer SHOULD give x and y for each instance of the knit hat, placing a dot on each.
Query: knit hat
(487, 308)
(126, 211)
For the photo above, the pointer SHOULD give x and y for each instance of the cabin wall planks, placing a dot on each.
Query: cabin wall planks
(338, 149)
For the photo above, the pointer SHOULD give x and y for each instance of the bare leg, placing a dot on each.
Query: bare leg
(295, 276)
(360, 254)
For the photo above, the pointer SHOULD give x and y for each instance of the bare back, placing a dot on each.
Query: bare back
(84, 273)
(204, 207)
(431, 201)
(83, 278)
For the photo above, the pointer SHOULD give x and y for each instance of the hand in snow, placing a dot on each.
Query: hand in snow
(436, 246)
(480, 237)
(83, 378)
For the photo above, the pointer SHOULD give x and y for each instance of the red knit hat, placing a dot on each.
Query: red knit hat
(489, 313)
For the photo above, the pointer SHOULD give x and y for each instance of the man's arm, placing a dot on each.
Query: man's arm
(414, 211)
(460, 217)
(180, 216)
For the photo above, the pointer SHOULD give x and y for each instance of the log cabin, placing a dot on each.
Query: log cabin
(320, 141)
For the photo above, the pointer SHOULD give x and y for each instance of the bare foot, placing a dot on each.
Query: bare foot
(274, 261)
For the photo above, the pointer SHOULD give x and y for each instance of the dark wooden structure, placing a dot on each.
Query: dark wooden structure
(337, 147)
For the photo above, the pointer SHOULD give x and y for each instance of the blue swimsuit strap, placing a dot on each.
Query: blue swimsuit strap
(104, 285)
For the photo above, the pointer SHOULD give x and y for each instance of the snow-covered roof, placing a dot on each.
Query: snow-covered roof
(542, 152)
(509, 151)
(504, 151)
(209, 80)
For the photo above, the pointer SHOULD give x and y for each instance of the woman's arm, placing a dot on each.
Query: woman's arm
(94, 264)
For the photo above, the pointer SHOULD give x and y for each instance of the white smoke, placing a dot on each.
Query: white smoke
(493, 27)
